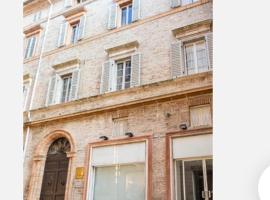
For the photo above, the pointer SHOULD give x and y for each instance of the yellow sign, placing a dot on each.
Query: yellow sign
(79, 172)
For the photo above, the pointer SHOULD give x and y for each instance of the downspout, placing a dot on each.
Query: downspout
(36, 78)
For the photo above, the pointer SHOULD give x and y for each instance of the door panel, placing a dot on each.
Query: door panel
(209, 170)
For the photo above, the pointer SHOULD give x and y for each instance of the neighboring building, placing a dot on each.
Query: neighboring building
(118, 100)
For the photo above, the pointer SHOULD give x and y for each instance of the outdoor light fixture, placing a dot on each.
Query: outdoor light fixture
(183, 126)
(129, 134)
(103, 137)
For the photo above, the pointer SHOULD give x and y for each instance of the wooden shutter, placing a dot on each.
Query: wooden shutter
(135, 69)
(136, 9)
(175, 3)
(68, 3)
(177, 65)
(62, 34)
(75, 84)
(51, 90)
(81, 27)
(200, 116)
(112, 16)
(105, 77)
(209, 46)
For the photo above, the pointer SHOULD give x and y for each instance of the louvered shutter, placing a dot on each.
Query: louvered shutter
(51, 90)
(209, 46)
(112, 16)
(62, 34)
(29, 41)
(135, 69)
(68, 3)
(177, 65)
(175, 3)
(81, 27)
(105, 79)
(136, 10)
(75, 84)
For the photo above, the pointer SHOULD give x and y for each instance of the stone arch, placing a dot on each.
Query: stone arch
(39, 160)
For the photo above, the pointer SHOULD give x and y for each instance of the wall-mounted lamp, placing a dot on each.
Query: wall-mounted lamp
(103, 137)
(183, 126)
(129, 134)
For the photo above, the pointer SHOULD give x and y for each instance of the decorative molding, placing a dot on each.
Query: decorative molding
(74, 13)
(60, 145)
(191, 29)
(122, 46)
(66, 64)
(32, 30)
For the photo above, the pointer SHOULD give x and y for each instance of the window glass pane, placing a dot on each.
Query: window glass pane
(179, 180)
(201, 57)
(127, 74)
(66, 88)
(129, 14)
(190, 62)
(194, 184)
(74, 33)
(124, 16)
(119, 76)
(122, 182)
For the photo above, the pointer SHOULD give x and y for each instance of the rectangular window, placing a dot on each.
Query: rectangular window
(120, 127)
(74, 32)
(25, 93)
(196, 57)
(123, 74)
(126, 15)
(200, 116)
(194, 179)
(65, 96)
(120, 182)
(31, 43)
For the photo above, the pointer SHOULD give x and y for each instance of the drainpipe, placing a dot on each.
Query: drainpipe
(36, 78)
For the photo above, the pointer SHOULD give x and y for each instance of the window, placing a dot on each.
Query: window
(123, 74)
(37, 16)
(126, 15)
(74, 32)
(194, 179)
(196, 57)
(120, 182)
(120, 127)
(118, 172)
(200, 116)
(31, 43)
(65, 96)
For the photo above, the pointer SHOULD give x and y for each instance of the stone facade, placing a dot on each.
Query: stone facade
(154, 109)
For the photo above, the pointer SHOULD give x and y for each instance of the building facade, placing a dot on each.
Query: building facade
(118, 99)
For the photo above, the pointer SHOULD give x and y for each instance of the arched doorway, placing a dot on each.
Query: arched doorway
(55, 172)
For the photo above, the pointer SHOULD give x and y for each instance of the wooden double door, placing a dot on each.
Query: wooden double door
(55, 177)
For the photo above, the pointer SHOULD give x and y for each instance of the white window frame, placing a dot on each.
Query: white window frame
(60, 73)
(124, 61)
(77, 24)
(127, 14)
(68, 93)
(193, 44)
(30, 43)
(91, 170)
(202, 159)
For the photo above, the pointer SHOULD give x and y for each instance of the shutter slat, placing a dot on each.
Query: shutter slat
(209, 46)
(75, 84)
(105, 78)
(51, 91)
(112, 16)
(135, 69)
(62, 34)
(136, 11)
(81, 27)
(68, 3)
(175, 3)
(177, 65)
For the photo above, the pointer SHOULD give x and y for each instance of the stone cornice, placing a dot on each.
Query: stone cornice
(155, 92)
